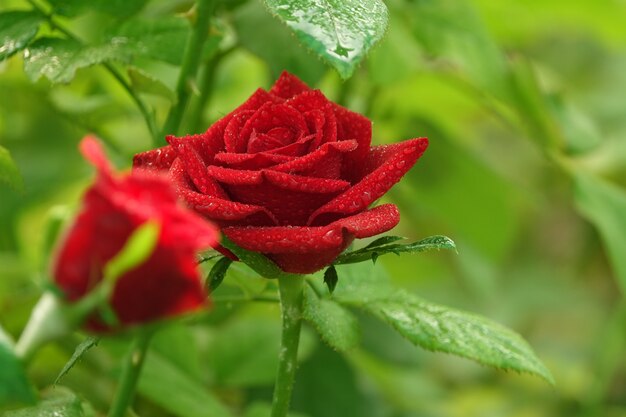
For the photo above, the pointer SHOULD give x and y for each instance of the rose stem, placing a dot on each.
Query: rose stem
(189, 67)
(291, 296)
(207, 79)
(143, 108)
(130, 374)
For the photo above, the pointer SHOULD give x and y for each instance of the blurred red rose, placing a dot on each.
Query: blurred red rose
(288, 174)
(167, 283)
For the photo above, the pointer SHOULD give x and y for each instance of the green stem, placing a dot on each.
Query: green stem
(189, 68)
(207, 81)
(143, 108)
(291, 299)
(130, 374)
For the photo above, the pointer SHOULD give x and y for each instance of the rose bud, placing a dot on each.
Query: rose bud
(167, 282)
(289, 174)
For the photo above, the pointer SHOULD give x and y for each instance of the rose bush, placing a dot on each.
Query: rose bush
(167, 282)
(288, 174)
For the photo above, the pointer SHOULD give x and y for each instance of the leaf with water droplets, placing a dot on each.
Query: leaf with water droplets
(17, 29)
(340, 31)
(337, 326)
(439, 328)
(383, 246)
(59, 59)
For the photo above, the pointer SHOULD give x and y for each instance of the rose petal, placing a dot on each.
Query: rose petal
(195, 167)
(305, 250)
(283, 180)
(268, 117)
(385, 166)
(218, 208)
(324, 162)
(251, 160)
(233, 141)
(298, 148)
(288, 85)
(160, 158)
(351, 125)
(92, 150)
(290, 198)
(168, 284)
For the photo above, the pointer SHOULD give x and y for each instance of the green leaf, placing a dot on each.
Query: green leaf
(81, 349)
(341, 32)
(161, 39)
(337, 326)
(331, 278)
(136, 250)
(439, 328)
(385, 240)
(17, 29)
(118, 8)
(217, 274)
(604, 205)
(191, 399)
(9, 174)
(59, 59)
(144, 82)
(59, 401)
(14, 385)
(373, 252)
(258, 262)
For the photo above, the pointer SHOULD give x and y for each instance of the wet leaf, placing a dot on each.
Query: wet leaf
(17, 29)
(341, 32)
(377, 248)
(59, 59)
(161, 39)
(443, 329)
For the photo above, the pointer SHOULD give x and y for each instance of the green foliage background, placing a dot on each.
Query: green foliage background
(524, 106)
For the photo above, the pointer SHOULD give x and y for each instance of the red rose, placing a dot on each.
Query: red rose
(288, 174)
(168, 282)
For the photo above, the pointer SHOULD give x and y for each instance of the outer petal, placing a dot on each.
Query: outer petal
(159, 159)
(291, 198)
(288, 85)
(351, 125)
(167, 284)
(385, 166)
(307, 249)
(218, 208)
(195, 167)
(324, 162)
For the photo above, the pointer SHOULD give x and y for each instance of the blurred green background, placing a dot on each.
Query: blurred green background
(524, 104)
